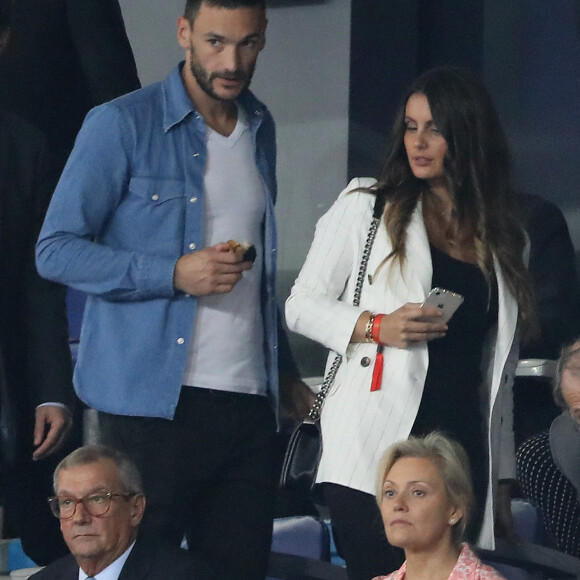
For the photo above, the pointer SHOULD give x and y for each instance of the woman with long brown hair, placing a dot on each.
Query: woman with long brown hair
(449, 221)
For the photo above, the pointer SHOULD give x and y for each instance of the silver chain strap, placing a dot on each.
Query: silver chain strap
(314, 413)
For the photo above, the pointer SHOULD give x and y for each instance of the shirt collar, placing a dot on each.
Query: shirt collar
(176, 102)
(113, 570)
(178, 105)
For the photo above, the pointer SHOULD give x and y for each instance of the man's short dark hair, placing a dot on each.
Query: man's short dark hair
(5, 13)
(192, 6)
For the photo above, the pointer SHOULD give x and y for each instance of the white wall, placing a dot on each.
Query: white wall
(302, 76)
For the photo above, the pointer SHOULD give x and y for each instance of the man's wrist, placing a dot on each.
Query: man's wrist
(54, 404)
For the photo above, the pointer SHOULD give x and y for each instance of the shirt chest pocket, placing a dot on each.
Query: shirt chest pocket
(154, 193)
(152, 215)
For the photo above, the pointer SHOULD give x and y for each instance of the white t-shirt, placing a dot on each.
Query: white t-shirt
(227, 348)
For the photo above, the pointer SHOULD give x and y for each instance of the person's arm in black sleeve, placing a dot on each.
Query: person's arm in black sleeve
(48, 355)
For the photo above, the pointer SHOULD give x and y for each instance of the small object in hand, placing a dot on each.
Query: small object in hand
(247, 249)
(445, 300)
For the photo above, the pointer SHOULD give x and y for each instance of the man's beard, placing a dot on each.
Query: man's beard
(204, 80)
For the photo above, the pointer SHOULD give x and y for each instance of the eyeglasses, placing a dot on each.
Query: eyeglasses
(96, 504)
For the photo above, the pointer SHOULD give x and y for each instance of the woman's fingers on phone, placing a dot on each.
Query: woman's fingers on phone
(417, 337)
(431, 315)
(434, 335)
(430, 311)
(431, 325)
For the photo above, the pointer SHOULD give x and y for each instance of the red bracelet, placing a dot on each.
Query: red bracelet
(376, 328)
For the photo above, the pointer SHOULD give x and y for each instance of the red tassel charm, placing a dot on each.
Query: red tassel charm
(378, 370)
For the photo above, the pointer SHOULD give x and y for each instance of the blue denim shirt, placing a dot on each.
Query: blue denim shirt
(129, 203)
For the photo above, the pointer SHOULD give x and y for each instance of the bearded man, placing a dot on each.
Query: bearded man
(179, 343)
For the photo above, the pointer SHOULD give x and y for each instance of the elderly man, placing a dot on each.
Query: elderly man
(549, 462)
(100, 503)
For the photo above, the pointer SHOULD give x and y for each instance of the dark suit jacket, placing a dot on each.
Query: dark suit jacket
(33, 328)
(63, 58)
(552, 268)
(148, 560)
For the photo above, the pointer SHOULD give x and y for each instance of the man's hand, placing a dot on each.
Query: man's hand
(51, 428)
(296, 399)
(213, 270)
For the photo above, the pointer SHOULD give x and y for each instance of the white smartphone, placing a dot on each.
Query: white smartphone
(448, 302)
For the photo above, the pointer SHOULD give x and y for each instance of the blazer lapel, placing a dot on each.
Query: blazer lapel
(72, 573)
(507, 317)
(64, 569)
(413, 281)
(138, 563)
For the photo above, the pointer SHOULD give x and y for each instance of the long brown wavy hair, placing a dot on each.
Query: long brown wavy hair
(478, 171)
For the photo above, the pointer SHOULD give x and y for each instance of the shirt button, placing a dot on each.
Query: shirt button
(192, 199)
(192, 246)
(180, 340)
(155, 197)
(365, 361)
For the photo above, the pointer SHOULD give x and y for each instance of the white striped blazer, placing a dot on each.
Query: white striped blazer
(357, 425)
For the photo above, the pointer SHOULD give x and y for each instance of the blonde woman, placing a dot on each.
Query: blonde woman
(424, 493)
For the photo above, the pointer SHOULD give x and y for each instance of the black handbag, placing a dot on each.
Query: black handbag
(304, 449)
(305, 446)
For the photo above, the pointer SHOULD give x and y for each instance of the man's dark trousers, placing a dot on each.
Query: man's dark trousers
(210, 473)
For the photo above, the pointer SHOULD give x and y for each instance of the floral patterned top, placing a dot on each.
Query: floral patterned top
(468, 567)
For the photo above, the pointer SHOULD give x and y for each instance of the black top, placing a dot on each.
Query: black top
(457, 356)
(451, 397)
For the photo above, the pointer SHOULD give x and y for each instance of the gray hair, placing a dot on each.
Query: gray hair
(568, 352)
(128, 475)
(450, 460)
